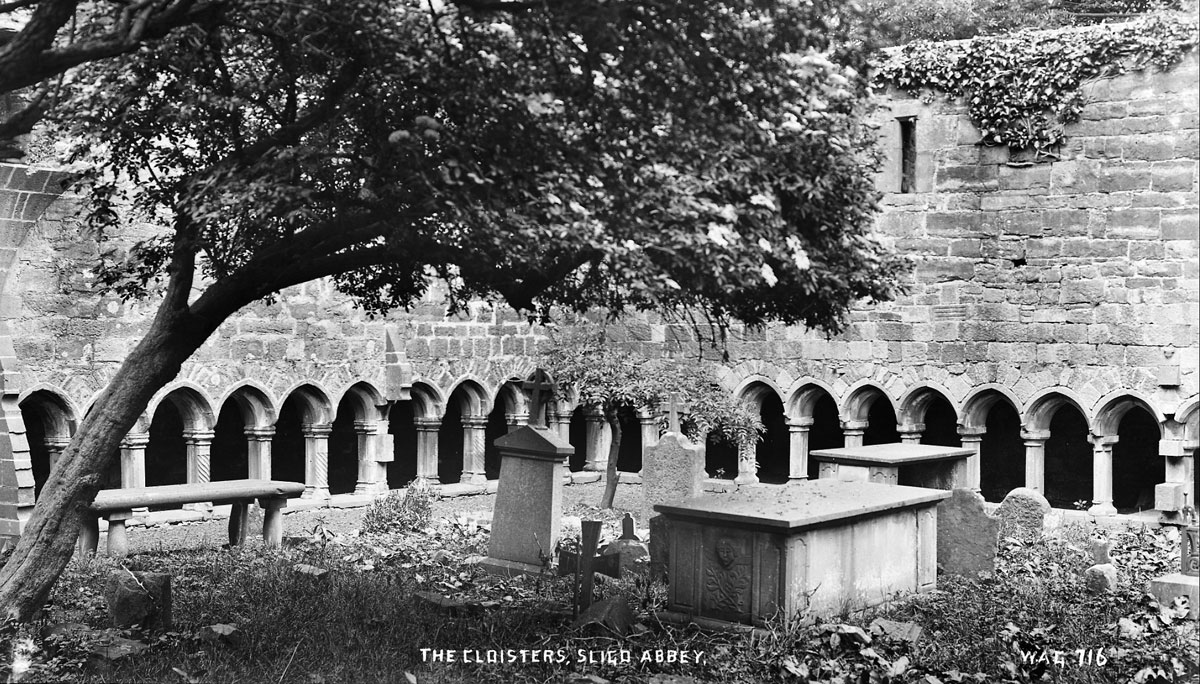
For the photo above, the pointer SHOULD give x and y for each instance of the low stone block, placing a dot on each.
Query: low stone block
(1167, 588)
(1168, 496)
(966, 538)
(1022, 515)
(139, 598)
(1100, 578)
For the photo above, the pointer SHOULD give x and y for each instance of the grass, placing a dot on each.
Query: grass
(348, 608)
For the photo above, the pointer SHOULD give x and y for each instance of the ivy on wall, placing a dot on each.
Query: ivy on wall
(1022, 89)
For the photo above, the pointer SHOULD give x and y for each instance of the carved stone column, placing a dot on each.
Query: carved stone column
(1102, 504)
(972, 438)
(911, 434)
(369, 467)
(798, 431)
(853, 431)
(133, 463)
(199, 450)
(316, 460)
(427, 449)
(1035, 459)
(599, 439)
(258, 452)
(54, 449)
(474, 446)
(561, 424)
(747, 465)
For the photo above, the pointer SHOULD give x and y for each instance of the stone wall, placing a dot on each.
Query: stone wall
(1038, 285)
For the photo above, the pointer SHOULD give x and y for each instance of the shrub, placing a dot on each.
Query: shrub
(400, 511)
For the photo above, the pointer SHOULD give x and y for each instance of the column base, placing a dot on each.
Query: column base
(746, 478)
(316, 493)
(473, 478)
(1102, 509)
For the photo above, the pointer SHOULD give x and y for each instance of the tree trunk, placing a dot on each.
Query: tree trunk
(610, 472)
(48, 541)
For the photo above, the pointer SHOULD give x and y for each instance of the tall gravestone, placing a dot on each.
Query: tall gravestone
(673, 469)
(528, 510)
(967, 535)
(672, 472)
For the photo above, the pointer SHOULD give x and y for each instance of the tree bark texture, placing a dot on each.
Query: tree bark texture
(610, 472)
(48, 541)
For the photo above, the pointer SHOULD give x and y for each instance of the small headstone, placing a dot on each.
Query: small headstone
(628, 548)
(1101, 550)
(966, 535)
(673, 470)
(1023, 514)
(1100, 578)
(139, 598)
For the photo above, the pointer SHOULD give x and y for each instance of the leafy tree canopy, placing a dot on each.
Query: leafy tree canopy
(668, 156)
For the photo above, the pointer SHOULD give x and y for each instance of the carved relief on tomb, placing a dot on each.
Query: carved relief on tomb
(1190, 551)
(884, 475)
(726, 577)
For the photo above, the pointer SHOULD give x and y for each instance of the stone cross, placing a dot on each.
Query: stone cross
(673, 413)
(540, 382)
(587, 561)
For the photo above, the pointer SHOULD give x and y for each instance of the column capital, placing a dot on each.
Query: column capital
(801, 424)
(59, 443)
(1035, 436)
(366, 427)
(911, 428)
(1103, 441)
(427, 424)
(474, 422)
(858, 425)
(135, 440)
(316, 430)
(199, 436)
(971, 434)
(259, 433)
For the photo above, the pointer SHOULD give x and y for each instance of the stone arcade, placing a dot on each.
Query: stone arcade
(1050, 330)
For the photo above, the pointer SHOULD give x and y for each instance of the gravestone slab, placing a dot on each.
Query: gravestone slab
(526, 519)
(139, 598)
(673, 470)
(819, 546)
(1023, 515)
(914, 465)
(967, 535)
(1100, 578)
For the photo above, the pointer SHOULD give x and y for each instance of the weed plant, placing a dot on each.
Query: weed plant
(400, 511)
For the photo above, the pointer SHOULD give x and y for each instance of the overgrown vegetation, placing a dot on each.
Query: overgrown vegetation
(406, 510)
(913, 20)
(1022, 89)
(344, 608)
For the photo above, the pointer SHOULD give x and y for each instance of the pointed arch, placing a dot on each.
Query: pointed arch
(860, 397)
(975, 408)
(1112, 407)
(193, 404)
(255, 404)
(1043, 405)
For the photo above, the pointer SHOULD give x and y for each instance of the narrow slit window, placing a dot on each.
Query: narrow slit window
(908, 154)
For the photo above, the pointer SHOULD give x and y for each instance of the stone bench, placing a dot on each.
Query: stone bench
(117, 506)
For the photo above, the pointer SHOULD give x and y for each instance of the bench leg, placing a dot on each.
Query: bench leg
(273, 521)
(118, 541)
(89, 535)
(239, 523)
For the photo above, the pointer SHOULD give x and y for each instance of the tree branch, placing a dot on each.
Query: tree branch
(28, 59)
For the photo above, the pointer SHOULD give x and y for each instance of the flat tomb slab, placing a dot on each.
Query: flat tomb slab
(799, 505)
(227, 491)
(819, 546)
(899, 453)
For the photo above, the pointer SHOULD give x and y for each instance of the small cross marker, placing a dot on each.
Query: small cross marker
(673, 413)
(539, 383)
